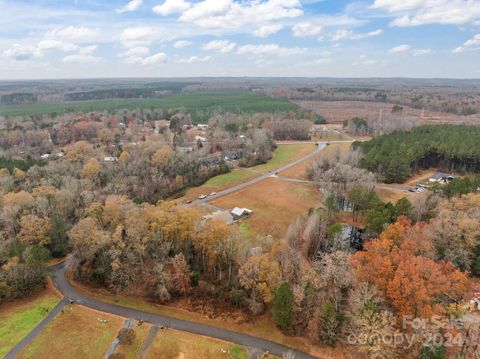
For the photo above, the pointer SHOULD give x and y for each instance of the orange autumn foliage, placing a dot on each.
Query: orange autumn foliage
(413, 283)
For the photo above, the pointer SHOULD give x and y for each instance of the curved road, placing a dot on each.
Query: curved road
(61, 283)
(72, 295)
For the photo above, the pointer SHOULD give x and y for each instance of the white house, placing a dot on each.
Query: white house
(45, 156)
(110, 159)
(239, 213)
(200, 138)
(202, 126)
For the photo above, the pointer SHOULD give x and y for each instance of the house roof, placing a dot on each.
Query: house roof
(241, 211)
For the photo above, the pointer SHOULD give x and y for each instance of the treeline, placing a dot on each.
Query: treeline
(448, 147)
(23, 165)
(18, 99)
(114, 93)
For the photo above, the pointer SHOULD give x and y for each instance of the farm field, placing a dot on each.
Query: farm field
(75, 333)
(275, 204)
(339, 111)
(169, 344)
(285, 154)
(19, 317)
(300, 171)
(199, 105)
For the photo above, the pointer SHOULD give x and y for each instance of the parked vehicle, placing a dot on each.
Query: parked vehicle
(202, 196)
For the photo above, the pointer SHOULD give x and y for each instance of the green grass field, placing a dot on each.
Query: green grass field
(199, 105)
(285, 154)
(17, 319)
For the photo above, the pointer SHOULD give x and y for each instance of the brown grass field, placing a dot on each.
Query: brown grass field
(275, 203)
(172, 344)
(338, 111)
(75, 333)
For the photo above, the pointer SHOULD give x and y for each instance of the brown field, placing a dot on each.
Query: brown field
(393, 195)
(75, 333)
(339, 111)
(300, 171)
(275, 203)
(170, 344)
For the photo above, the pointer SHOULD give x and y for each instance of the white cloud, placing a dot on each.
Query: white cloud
(270, 49)
(72, 33)
(421, 12)
(143, 36)
(22, 52)
(350, 35)
(46, 45)
(135, 59)
(80, 58)
(267, 30)
(472, 44)
(222, 46)
(230, 14)
(182, 43)
(141, 51)
(422, 52)
(170, 7)
(400, 48)
(131, 6)
(193, 59)
(306, 29)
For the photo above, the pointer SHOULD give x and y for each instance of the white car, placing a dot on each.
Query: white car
(213, 193)
(202, 196)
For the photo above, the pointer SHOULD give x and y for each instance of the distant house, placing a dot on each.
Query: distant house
(185, 149)
(202, 126)
(200, 138)
(240, 213)
(210, 161)
(440, 177)
(223, 216)
(60, 154)
(45, 156)
(231, 155)
(110, 159)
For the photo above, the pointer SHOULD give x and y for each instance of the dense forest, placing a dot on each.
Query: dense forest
(447, 147)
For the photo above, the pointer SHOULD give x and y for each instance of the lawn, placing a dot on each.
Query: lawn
(285, 154)
(275, 203)
(75, 333)
(18, 318)
(131, 351)
(200, 105)
(172, 344)
(300, 171)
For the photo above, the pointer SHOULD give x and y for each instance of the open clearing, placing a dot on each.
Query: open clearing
(300, 171)
(285, 154)
(172, 344)
(339, 111)
(275, 203)
(75, 333)
(19, 317)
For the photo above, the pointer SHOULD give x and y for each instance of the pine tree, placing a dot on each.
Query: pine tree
(282, 307)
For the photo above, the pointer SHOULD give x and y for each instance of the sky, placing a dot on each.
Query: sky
(42, 39)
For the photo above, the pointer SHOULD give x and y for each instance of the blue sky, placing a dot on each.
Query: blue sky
(183, 38)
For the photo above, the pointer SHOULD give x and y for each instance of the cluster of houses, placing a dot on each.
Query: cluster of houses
(229, 216)
(226, 156)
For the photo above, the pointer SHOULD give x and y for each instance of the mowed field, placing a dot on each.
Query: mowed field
(75, 333)
(132, 351)
(19, 317)
(275, 203)
(285, 153)
(300, 171)
(172, 344)
(339, 111)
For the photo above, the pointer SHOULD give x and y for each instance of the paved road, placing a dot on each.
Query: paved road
(25, 341)
(61, 283)
(321, 146)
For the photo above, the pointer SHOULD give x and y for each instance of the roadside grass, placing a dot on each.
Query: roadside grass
(221, 182)
(393, 195)
(275, 204)
(169, 344)
(285, 154)
(200, 105)
(300, 171)
(75, 333)
(262, 326)
(18, 318)
(131, 351)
